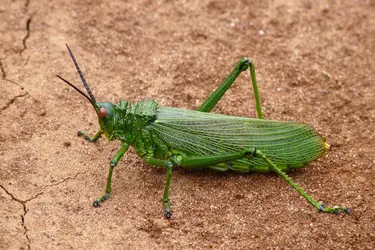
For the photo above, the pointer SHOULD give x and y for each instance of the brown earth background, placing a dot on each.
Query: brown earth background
(315, 64)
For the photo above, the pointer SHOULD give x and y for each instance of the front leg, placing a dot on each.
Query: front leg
(89, 138)
(114, 162)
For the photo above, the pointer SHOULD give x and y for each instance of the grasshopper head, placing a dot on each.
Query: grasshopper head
(104, 110)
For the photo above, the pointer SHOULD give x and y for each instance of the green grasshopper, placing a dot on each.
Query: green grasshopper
(171, 137)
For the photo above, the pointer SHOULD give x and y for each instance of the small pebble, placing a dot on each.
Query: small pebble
(159, 225)
(67, 143)
(42, 112)
(261, 32)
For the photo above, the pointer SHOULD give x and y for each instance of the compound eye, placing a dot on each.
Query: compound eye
(102, 112)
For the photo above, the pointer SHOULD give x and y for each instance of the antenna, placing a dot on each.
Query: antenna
(79, 91)
(81, 76)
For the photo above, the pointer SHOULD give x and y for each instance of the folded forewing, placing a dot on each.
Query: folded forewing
(199, 133)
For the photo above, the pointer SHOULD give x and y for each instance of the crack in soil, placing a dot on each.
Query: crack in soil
(23, 202)
(19, 85)
(27, 61)
(4, 77)
(64, 180)
(3, 74)
(24, 40)
(13, 100)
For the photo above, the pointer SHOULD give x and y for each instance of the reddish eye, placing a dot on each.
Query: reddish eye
(102, 112)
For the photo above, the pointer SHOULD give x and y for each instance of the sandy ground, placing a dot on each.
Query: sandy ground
(315, 64)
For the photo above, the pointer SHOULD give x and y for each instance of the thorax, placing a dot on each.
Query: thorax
(130, 119)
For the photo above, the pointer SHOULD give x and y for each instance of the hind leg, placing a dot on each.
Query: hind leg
(214, 98)
(313, 202)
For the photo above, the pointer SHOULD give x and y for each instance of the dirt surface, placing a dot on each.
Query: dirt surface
(315, 64)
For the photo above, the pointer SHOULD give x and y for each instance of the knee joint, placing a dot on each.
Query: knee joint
(244, 64)
(177, 159)
(250, 153)
(169, 164)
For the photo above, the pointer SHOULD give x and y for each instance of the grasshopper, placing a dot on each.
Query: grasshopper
(171, 137)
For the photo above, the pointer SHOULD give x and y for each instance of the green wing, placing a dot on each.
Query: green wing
(198, 133)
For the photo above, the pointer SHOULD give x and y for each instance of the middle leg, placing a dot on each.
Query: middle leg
(191, 162)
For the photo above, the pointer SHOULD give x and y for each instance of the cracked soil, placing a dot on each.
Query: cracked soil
(315, 64)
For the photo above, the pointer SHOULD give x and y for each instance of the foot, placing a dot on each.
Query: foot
(167, 209)
(86, 136)
(101, 199)
(334, 210)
